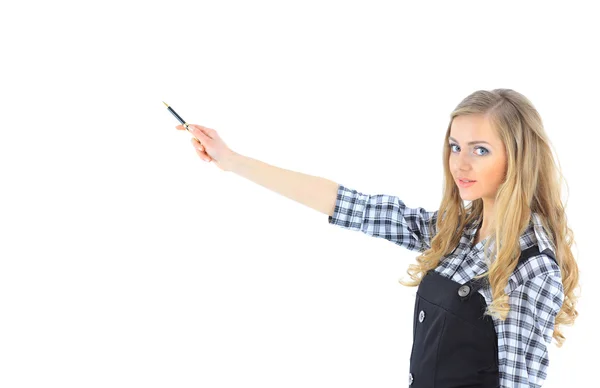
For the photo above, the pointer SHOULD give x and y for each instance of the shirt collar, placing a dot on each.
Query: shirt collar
(534, 234)
(542, 238)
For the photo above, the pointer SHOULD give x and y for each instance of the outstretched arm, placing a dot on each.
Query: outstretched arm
(313, 191)
(384, 216)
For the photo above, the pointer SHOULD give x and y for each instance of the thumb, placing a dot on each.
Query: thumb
(197, 132)
(211, 133)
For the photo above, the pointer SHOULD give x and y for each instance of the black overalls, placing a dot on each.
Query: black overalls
(454, 344)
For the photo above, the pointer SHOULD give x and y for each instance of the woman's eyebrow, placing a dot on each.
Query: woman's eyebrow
(471, 142)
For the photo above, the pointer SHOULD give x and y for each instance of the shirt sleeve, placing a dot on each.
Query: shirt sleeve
(526, 333)
(384, 216)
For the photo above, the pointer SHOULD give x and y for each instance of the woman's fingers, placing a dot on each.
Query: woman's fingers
(203, 155)
(199, 133)
(200, 150)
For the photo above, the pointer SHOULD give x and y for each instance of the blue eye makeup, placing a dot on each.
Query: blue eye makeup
(483, 148)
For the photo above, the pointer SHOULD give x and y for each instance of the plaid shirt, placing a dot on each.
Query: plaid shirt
(535, 288)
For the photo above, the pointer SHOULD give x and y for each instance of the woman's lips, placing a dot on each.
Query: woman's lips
(465, 184)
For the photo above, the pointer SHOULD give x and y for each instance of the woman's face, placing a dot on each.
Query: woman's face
(484, 161)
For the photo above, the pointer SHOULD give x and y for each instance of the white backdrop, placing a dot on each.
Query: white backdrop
(126, 261)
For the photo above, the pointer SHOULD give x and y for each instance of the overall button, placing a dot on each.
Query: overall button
(464, 290)
(410, 379)
(421, 316)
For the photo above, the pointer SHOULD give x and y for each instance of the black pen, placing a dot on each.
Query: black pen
(178, 117)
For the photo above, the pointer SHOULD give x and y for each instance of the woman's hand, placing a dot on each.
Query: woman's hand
(209, 146)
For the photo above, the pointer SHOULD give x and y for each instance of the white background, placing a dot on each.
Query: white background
(126, 261)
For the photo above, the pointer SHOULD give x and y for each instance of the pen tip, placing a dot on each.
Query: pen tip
(166, 104)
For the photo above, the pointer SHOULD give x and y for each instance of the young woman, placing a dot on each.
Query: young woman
(485, 313)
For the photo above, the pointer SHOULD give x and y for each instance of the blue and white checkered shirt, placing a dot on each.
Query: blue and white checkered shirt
(535, 288)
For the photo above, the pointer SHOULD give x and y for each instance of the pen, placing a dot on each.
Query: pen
(177, 116)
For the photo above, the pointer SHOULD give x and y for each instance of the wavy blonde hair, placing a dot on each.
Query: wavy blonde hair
(532, 184)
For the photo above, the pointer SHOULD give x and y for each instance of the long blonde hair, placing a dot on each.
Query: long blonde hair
(532, 185)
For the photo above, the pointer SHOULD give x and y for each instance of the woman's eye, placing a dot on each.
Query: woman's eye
(481, 148)
(477, 148)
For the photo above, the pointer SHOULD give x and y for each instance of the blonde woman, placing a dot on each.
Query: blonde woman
(485, 313)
